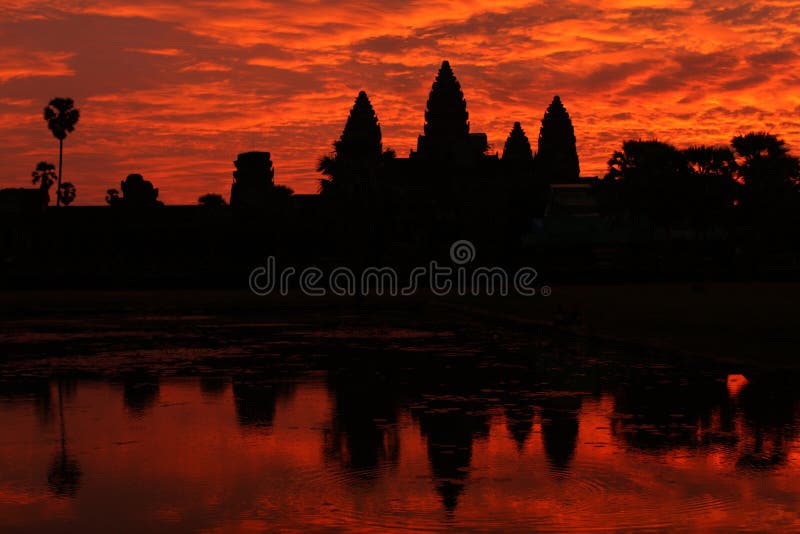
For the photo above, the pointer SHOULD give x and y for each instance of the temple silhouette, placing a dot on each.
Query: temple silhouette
(382, 207)
(448, 152)
(659, 213)
(450, 162)
(447, 136)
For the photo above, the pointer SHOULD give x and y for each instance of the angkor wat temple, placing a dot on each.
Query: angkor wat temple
(521, 207)
(447, 153)
(451, 187)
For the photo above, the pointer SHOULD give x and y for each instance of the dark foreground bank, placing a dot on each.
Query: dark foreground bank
(752, 323)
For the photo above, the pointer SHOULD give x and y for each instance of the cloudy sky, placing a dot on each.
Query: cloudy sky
(174, 90)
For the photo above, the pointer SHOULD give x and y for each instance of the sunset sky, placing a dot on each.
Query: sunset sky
(174, 90)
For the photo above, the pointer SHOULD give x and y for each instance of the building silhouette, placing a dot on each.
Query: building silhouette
(557, 156)
(252, 180)
(517, 148)
(447, 136)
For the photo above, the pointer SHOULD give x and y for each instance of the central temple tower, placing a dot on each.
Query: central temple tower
(447, 134)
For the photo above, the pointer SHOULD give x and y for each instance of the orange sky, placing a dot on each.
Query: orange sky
(174, 90)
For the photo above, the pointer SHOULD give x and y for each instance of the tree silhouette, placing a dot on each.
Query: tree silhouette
(769, 175)
(212, 200)
(45, 177)
(651, 180)
(61, 117)
(137, 193)
(713, 186)
(282, 193)
(711, 161)
(557, 156)
(67, 193)
(112, 197)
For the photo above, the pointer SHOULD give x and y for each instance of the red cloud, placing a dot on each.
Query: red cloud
(174, 91)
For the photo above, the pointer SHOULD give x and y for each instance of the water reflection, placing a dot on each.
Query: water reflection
(519, 417)
(255, 398)
(65, 473)
(27, 390)
(660, 409)
(361, 439)
(213, 386)
(770, 426)
(560, 430)
(140, 389)
(363, 435)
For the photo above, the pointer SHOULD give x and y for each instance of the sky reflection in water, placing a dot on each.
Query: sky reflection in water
(494, 436)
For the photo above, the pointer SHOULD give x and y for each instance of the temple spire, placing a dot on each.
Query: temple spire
(517, 147)
(557, 157)
(446, 117)
(358, 151)
(446, 114)
(361, 137)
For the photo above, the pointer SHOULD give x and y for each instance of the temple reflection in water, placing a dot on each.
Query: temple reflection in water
(341, 439)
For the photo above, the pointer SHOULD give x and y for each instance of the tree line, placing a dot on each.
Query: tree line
(754, 182)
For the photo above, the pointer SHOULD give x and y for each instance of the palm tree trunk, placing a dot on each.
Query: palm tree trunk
(60, 160)
(61, 418)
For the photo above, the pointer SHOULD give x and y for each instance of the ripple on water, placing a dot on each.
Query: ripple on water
(593, 495)
(359, 515)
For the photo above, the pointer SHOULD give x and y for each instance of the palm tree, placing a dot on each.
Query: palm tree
(61, 117)
(67, 193)
(45, 177)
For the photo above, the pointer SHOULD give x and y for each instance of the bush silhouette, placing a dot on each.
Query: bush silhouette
(212, 200)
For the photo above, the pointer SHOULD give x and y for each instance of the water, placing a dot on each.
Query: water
(321, 420)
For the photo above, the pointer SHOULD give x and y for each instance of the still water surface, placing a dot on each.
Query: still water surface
(193, 423)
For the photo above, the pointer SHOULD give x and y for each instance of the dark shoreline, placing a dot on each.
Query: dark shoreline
(750, 325)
